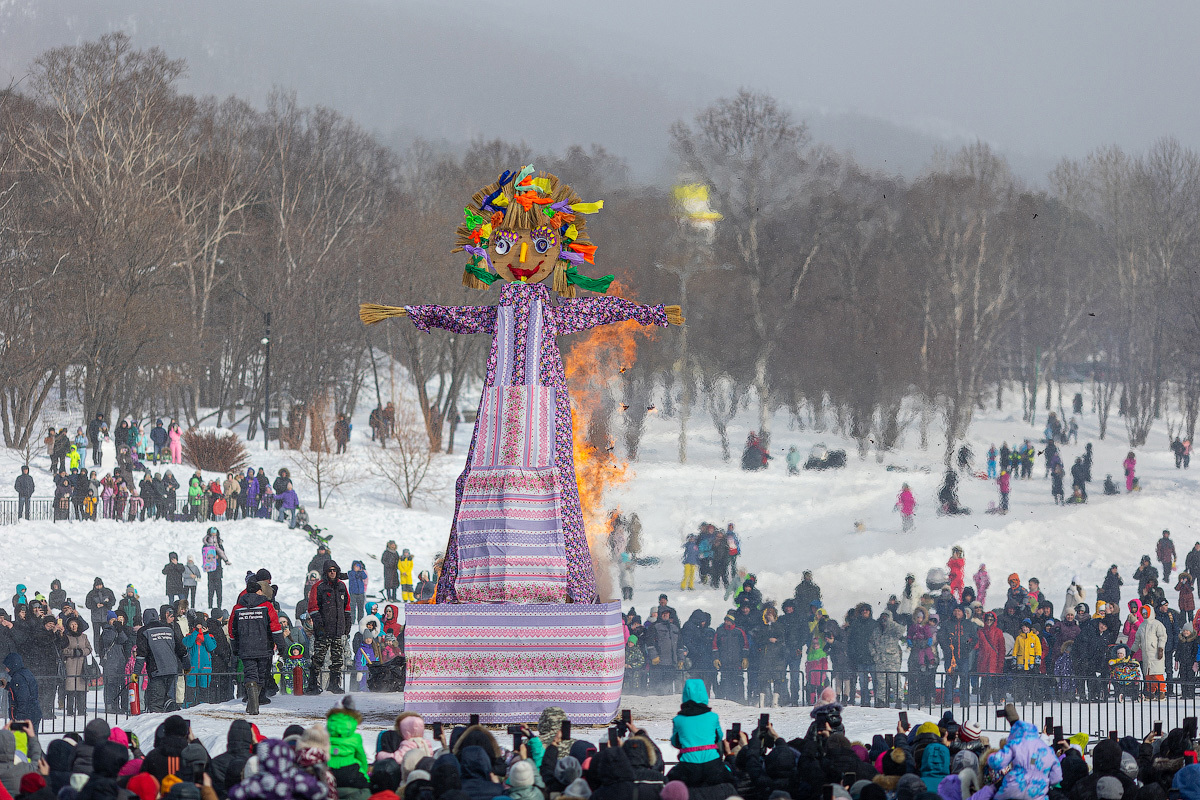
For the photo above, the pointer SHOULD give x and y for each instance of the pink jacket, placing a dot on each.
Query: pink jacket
(906, 503)
(982, 582)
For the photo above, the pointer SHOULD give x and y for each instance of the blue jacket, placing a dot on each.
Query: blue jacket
(691, 553)
(200, 657)
(358, 578)
(22, 690)
(696, 730)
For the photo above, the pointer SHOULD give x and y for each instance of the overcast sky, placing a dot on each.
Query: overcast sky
(889, 80)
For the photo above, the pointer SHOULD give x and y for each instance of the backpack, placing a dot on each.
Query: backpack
(208, 555)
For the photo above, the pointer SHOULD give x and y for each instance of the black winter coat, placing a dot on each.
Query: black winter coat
(100, 601)
(24, 484)
(38, 647)
(254, 629)
(771, 656)
(227, 768)
(730, 647)
(115, 647)
(1110, 592)
(858, 639)
(697, 637)
(161, 649)
(329, 607)
(174, 573)
(390, 561)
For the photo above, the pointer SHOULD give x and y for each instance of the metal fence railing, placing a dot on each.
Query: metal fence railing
(114, 702)
(1080, 703)
(64, 510)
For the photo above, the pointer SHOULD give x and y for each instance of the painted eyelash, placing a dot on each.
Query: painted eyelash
(512, 237)
(547, 232)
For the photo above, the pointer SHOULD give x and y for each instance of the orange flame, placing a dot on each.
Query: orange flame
(593, 361)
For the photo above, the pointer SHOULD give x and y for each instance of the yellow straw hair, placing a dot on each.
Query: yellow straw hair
(370, 313)
(674, 315)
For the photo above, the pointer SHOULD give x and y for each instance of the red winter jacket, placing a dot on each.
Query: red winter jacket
(990, 646)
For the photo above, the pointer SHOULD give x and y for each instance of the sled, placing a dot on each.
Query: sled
(316, 538)
(219, 506)
(387, 677)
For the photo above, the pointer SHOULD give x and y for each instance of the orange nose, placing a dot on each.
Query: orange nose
(524, 248)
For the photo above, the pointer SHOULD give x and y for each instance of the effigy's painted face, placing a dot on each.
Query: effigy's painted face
(525, 255)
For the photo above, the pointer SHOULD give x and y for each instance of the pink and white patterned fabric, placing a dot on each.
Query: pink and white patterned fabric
(524, 354)
(510, 538)
(507, 662)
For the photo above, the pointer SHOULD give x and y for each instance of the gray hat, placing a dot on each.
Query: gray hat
(1109, 788)
(1129, 765)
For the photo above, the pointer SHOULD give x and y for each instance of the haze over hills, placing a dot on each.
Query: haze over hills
(410, 69)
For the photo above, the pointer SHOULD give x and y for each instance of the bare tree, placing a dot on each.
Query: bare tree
(408, 463)
(317, 463)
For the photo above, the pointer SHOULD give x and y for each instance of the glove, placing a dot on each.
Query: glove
(656, 661)
(717, 663)
(1160, 654)
(930, 642)
(1037, 660)
(745, 663)
(679, 665)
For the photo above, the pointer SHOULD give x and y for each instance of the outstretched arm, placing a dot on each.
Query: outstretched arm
(456, 319)
(584, 313)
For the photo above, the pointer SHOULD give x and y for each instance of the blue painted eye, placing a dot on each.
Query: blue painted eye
(541, 244)
(502, 246)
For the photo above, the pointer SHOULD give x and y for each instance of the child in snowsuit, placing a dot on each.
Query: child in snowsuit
(1130, 465)
(1003, 481)
(920, 641)
(982, 582)
(406, 576)
(1125, 674)
(357, 586)
(956, 565)
(691, 562)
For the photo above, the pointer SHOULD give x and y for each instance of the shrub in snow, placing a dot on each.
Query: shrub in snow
(214, 450)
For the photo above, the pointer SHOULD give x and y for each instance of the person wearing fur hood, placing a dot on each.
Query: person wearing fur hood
(411, 727)
(1151, 640)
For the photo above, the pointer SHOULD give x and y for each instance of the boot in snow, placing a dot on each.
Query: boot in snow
(251, 698)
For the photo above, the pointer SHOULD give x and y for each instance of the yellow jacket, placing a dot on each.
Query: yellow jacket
(406, 573)
(1026, 649)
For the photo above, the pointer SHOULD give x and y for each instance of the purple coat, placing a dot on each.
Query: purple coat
(289, 499)
(1034, 766)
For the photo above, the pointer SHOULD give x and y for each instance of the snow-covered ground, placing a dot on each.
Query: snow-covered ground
(787, 524)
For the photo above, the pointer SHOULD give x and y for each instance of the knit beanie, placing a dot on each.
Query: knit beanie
(674, 790)
(520, 775)
(895, 763)
(968, 732)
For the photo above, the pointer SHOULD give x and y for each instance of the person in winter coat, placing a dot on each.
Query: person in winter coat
(37, 640)
(75, 651)
(990, 649)
(24, 488)
(254, 635)
(1027, 653)
(226, 769)
(956, 567)
(662, 649)
(23, 699)
(1164, 551)
(212, 556)
(191, 579)
(1186, 586)
(115, 646)
(770, 647)
(806, 592)
(1032, 766)
(1130, 628)
(390, 561)
(922, 661)
(130, 605)
(731, 652)
(357, 586)
(200, 647)
(906, 504)
(696, 732)
(14, 767)
(161, 654)
(99, 601)
(341, 433)
(1144, 574)
(691, 562)
(1110, 592)
(1151, 641)
(887, 656)
(956, 637)
(175, 442)
(426, 588)
(174, 582)
(1004, 482)
(329, 611)
(1130, 466)
(858, 647)
(1106, 763)
(696, 640)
